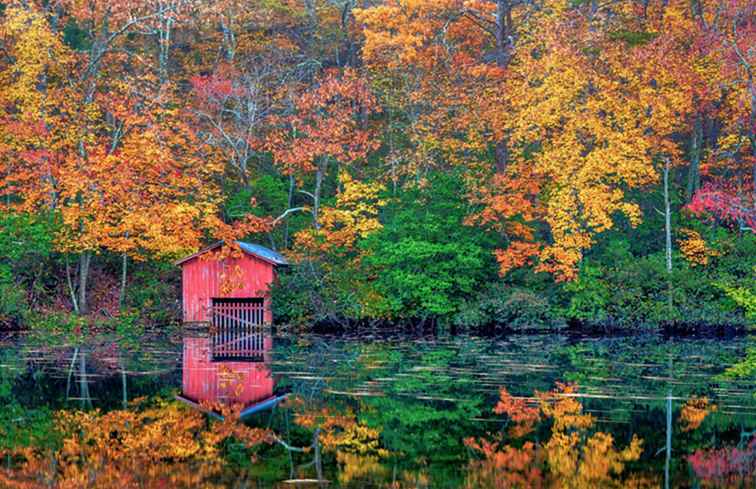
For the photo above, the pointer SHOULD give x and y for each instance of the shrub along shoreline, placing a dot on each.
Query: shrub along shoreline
(422, 267)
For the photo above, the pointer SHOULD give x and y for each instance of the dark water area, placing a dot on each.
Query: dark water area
(369, 410)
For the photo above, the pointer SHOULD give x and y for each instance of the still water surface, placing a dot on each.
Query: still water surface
(378, 411)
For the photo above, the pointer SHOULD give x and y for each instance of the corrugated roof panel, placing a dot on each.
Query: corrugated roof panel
(263, 252)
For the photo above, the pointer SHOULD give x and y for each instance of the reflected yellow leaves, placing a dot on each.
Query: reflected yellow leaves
(695, 411)
(158, 446)
(574, 456)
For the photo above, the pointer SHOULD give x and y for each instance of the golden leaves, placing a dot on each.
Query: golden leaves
(355, 214)
(694, 248)
(571, 458)
(695, 411)
(151, 447)
(342, 432)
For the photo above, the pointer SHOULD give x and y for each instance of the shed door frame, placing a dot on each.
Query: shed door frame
(244, 311)
(237, 325)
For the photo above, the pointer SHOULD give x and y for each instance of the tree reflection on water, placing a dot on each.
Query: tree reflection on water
(362, 415)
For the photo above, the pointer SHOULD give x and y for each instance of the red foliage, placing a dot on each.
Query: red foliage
(726, 202)
(215, 88)
(523, 416)
(725, 467)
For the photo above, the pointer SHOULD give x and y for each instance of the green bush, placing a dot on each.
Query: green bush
(510, 307)
(307, 293)
(13, 303)
(25, 263)
(616, 287)
(153, 291)
(425, 262)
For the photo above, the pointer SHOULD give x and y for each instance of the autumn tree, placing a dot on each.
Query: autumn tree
(330, 127)
(121, 169)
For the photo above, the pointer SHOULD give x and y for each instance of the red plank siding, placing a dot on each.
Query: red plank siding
(201, 282)
(205, 380)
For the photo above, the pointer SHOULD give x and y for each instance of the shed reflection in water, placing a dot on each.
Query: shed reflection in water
(229, 368)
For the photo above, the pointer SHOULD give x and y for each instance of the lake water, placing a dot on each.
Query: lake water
(373, 410)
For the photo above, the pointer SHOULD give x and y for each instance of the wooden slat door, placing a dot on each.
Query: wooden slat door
(237, 328)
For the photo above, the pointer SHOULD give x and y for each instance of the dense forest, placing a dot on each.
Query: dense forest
(464, 163)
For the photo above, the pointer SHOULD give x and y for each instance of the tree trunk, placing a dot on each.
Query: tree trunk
(71, 288)
(164, 49)
(696, 147)
(84, 261)
(504, 34)
(86, 400)
(289, 202)
(668, 445)
(502, 155)
(668, 232)
(317, 458)
(504, 45)
(316, 195)
(124, 391)
(124, 271)
(312, 13)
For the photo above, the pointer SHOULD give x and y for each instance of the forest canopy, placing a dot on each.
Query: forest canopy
(513, 162)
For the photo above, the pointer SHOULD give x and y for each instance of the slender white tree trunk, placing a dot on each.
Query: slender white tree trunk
(668, 233)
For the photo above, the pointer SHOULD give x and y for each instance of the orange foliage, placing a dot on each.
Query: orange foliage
(124, 171)
(153, 447)
(571, 458)
(518, 411)
(329, 122)
(694, 412)
(694, 248)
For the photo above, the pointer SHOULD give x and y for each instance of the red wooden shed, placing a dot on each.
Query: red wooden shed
(247, 301)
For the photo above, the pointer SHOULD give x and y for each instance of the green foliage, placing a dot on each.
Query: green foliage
(307, 294)
(12, 299)
(19, 425)
(508, 306)
(76, 37)
(745, 368)
(589, 295)
(425, 261)
(25, 248)
(745, 297)
(633, 38)
(24, 237)
(58, 326)
(425, 412)
(153, 291)
(265, 195)
(128, 325)
(618, 286)
(418, 278)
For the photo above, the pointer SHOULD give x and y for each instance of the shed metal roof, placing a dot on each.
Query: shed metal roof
(256, 250)
(263, 252)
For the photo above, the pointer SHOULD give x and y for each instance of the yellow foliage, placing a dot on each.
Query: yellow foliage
(694, 248)
(694, 412)
(572, 458)
(354, 216)
(159, 446)
(342, 433)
